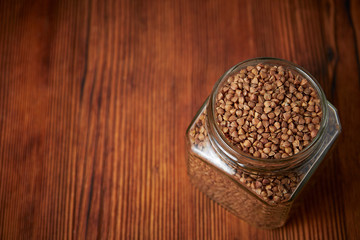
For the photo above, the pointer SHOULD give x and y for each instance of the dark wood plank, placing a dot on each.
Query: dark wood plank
(95, 97)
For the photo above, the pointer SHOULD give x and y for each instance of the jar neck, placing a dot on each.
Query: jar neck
(248, 162)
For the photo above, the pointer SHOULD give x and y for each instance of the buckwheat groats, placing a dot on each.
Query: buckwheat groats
(258, 138)
(268, 112)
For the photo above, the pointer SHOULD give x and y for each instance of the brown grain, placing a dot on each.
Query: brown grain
(279, 99)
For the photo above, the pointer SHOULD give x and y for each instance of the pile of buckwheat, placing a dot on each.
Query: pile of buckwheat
(268, 112)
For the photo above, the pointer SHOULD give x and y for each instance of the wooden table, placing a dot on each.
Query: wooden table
(95, 98)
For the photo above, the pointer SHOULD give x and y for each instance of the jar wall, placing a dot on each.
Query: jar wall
(238, 190)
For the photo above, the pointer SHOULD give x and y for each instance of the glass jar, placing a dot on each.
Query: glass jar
(242, 183)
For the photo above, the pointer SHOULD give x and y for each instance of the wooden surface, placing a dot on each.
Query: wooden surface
(95, 98)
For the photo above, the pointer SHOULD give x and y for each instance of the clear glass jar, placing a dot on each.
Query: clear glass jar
(240, 182)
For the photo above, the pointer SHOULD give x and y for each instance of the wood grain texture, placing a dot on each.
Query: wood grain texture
(95, 98)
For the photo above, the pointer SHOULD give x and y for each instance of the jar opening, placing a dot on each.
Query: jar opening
(262, 164)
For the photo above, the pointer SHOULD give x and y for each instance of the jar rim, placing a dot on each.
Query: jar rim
(234, 151)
